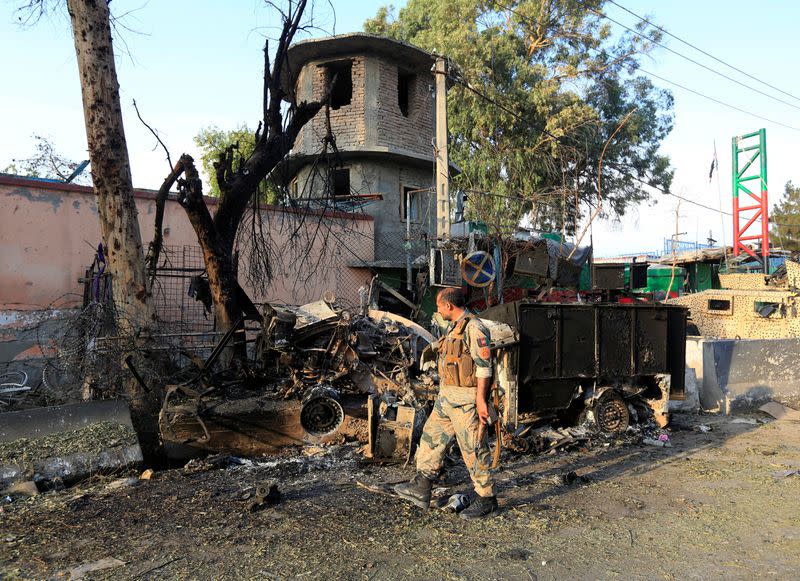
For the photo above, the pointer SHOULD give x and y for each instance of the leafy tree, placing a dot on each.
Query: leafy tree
(47, 163)
(786, 219)
(541, 88)
(213, 141)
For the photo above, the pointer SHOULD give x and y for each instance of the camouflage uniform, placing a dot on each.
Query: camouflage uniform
(454, 412)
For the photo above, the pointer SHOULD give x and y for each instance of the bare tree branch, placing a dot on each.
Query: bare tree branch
(155, 246)
(267, 87)
(154, 132)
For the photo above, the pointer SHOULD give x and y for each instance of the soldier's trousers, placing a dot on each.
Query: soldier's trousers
(454, 415)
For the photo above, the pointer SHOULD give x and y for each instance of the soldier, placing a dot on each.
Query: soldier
(461, 410)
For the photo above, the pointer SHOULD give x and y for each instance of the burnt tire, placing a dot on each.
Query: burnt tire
(611, 414)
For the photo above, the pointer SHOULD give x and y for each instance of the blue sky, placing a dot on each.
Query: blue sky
(191, 64)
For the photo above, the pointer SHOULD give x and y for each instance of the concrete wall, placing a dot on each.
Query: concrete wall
(372, 176)
(48, 234)
(741, 319)
(733, 373)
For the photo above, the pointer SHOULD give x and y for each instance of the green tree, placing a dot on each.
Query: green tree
(214, 141)
(785, 229)
(541, 88)
(47, 163)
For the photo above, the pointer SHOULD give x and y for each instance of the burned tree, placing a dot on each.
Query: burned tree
(239, 179)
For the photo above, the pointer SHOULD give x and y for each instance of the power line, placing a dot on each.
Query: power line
(700, 50)
(519, 117)
(734, 107)
(690, 201)
(464, 83)
(715, 100)
(691, 60)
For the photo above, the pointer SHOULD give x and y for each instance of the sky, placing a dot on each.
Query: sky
(193, 64)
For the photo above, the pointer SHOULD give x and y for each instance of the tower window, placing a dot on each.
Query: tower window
(404, 81)
(340, 183)
(342, 89)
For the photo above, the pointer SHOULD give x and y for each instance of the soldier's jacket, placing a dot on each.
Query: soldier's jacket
(464, 354)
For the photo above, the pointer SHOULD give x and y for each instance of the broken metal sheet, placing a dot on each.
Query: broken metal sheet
(780, 412)
(533, 262)
(246, 427)
(391, 431)
(419, 330)
(312, 313)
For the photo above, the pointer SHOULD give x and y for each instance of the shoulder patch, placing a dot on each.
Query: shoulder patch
(484, 353)
(482, 341)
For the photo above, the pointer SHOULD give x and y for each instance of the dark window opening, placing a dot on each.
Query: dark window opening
(404, 81)
(719, 305)
(410, 203)
(765, 309)
(342, 89)
(340, 183)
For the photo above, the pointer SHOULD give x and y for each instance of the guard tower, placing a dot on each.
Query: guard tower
(382, 119)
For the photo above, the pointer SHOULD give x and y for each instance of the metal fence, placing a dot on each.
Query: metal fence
(671, 246)
(173, 305)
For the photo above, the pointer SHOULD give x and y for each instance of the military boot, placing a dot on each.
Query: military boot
(418, 490)
(481, 506)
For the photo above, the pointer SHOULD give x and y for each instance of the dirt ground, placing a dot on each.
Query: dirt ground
(714, 505)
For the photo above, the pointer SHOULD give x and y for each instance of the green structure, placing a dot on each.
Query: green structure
(660, 278)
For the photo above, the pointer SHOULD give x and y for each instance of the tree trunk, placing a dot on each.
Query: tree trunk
(109, 155)
(111, 173)
(217, 250)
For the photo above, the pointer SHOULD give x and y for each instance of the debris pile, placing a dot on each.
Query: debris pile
(551, 440)
(309, 369)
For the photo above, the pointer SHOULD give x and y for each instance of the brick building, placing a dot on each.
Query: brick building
(382, 120)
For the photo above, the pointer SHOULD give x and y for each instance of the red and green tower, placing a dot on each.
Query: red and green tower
(751, 211)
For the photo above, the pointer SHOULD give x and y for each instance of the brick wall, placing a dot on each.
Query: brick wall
(413, 133)
(393, 130)
(347, 122)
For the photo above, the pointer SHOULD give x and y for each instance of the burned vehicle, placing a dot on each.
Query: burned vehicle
(321, 372)
(601, 360)
(312, 373)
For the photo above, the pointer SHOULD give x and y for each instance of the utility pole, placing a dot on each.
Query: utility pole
(442, 158)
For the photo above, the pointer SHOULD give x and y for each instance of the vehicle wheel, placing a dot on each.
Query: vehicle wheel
(611, 414)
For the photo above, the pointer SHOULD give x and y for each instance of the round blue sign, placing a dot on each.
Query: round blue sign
(478, 268)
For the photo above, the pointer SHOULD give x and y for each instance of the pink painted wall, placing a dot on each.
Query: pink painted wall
(48, 233)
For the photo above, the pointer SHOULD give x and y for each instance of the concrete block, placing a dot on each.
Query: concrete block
(740, 373)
